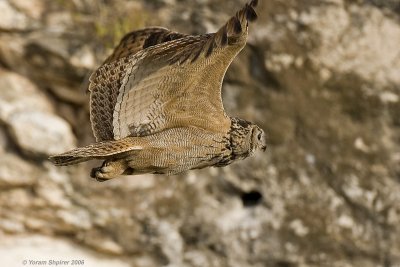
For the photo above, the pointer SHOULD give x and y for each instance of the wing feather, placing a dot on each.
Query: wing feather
(106, 81)
(135, 41)
(174, 83)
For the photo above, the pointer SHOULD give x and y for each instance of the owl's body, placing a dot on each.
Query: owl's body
(156, 107)
(180, 150)
(170, 152)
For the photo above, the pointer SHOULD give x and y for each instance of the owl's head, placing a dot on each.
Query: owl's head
(246, 138)
(259, 139)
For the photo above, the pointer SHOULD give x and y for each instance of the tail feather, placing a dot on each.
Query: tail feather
(100, 150)
(65, 159)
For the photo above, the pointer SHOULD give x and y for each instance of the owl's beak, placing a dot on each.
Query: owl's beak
(264, 148)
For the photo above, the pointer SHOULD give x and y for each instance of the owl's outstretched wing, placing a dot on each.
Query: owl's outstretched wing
(106, 81)
(175, 83)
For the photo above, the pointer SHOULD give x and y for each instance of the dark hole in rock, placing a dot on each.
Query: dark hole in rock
(283, 263)
(251, 198)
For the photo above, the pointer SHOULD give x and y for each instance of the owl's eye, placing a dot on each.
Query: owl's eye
(259, 136)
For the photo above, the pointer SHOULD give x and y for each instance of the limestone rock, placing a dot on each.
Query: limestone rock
(34, 9)
(75, 218)
(20, 94)
(54, 196)
(3, 140)
(11, 226)
(50, 61)
(28, 114)
(321, 77)
(377, 36)
(15, 172)
(41, 133)
(12, 19)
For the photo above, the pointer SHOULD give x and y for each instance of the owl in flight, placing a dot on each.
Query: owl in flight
(156, 107)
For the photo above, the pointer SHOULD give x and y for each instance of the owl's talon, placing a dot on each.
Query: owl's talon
(94, 171)
(99, 174)
(106, 168)
(100, 180)
(109, 170)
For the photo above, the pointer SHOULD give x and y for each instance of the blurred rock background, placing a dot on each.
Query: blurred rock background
(321, 77)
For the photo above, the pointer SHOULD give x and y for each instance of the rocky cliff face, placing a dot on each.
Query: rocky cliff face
(321, 77)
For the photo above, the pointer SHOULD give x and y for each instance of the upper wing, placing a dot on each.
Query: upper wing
(135, 41)
(106, 81)
(177, 83)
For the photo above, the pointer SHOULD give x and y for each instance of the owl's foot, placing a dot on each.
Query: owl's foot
(109, 170)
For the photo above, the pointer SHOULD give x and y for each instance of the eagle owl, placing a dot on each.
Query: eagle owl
(156, 107)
